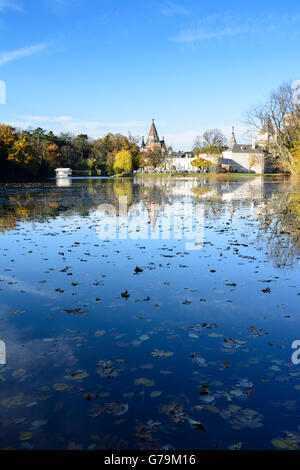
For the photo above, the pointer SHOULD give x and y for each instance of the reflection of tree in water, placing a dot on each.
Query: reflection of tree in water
(37, 202)
(214, 207)
(280, 220)
(123, 189)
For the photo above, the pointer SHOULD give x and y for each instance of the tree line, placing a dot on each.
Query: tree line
(38, 152)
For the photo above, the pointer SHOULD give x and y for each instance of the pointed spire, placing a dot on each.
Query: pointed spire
(232, 141)
(153, 135)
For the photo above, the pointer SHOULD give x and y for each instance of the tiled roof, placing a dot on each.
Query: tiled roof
(153, 133)
(245, 148)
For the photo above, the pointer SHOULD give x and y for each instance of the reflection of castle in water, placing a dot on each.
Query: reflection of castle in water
(273, 202)
(253, 189)
(63, 182)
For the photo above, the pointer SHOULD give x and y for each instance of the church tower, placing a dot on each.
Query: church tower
(153, 142)
(232, 141)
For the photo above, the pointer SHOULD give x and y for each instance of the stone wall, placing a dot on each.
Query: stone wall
(245, 162)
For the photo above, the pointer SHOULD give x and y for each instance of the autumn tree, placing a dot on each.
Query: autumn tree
(7, 139)
(21, 155)
(201, 163)
(52, 156)
(122, 162)
(295, 151)
(281, 115)
(211, 142)
(152, 158)
(42, 151)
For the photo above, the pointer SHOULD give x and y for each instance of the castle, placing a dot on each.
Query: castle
(239, 158)
(153, 142)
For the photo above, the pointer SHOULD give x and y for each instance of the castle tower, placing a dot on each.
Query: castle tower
(153, 142)
(232, 141)
(153, 135)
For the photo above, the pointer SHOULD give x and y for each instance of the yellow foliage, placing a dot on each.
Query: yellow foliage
(20, 152)
(201, 163)
(123, 162)
(7, 136)
(296, 157)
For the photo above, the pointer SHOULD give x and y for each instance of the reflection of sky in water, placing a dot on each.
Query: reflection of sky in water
(61, 311)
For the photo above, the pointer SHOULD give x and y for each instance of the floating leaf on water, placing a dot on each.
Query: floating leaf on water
(125, 294)
(242, 418)
(99, 333)
(78, 375)
(159, 353)
(113, 408)
(144, 338)
(288, 444)
(13, 401)
(214, 335)
(212, 408)
(25, 436)
(175, 411)
(197, 359)
(156, 393)
(19, 373)
(60, 387)
(234, 408)
(108, 368)
(144, 381)
(31, 404)
(194, 335)
(128, 395)
(196, 424)
(207, 398)
(236, 446)
(37, 424)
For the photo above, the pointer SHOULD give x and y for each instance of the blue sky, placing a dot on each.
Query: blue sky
(113, 65)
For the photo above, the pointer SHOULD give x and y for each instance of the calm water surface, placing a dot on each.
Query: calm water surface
(138, 341)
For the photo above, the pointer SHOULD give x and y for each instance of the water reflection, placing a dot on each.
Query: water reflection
(63, 182)
(274, 202)
(137, 340)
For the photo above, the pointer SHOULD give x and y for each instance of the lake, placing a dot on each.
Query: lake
(150, 313)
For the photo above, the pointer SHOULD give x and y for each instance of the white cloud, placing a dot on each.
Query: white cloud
(59, 7)
(10, 56)
(185, 140)
(9, 5)
(34, 119)
(218, 26)
(94, 129)
(171, 9)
